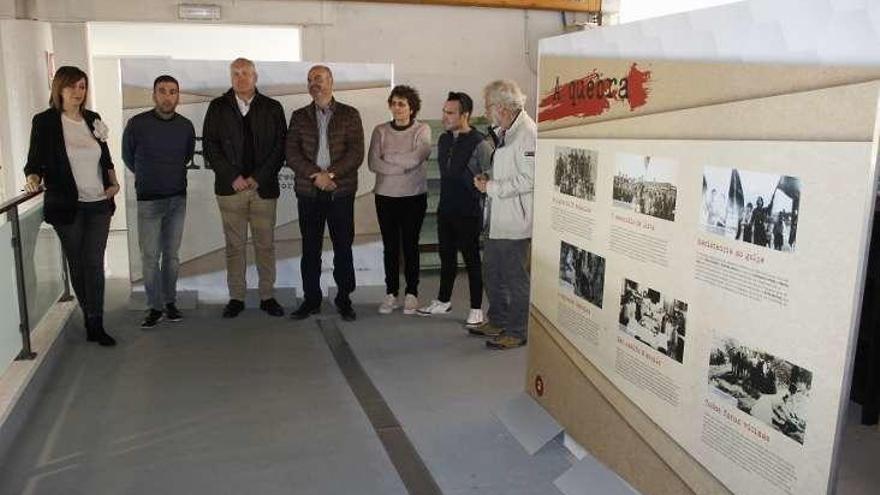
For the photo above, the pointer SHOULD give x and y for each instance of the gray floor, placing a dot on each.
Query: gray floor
(258, 405)
(860, 450)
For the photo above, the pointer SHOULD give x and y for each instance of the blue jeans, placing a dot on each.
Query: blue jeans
(160, 229)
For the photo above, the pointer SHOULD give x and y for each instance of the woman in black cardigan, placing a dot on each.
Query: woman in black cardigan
(69, 158)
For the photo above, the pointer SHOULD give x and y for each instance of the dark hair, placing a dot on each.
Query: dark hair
(165, 78)
(65, 77)
(410, 95)
(465, 103)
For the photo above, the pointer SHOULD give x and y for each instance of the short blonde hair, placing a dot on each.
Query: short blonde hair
(506, 94)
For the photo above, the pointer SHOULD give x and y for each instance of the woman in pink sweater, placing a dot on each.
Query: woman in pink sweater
(398, 155)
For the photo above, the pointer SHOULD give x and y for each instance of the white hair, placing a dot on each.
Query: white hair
(243, 61)
(506, 94)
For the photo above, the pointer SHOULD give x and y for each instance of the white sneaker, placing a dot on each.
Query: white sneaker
(388, 305)
(474, 319)
(410, 304)
(435, 308)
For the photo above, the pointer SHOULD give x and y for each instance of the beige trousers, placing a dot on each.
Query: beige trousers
(237, 211)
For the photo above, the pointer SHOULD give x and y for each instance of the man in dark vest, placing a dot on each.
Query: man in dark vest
(462, 153)
(243, 142)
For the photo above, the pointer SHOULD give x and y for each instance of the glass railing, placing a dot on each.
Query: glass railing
(33, 273)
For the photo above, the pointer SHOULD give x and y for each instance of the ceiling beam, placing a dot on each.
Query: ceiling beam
(560, 5)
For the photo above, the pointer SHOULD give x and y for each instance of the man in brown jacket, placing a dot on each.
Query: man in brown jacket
(325, 148)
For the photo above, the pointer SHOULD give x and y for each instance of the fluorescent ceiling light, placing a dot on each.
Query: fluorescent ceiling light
(198, 12)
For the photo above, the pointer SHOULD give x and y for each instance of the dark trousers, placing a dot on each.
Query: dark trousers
(84, 242)
(338, 215)
(508, 284)
(454, 234)
(400, 221)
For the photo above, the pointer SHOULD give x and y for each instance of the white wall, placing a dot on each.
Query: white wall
(195, 41)
(24, 91)
(7, 9)
(435, 48)
(636, 10)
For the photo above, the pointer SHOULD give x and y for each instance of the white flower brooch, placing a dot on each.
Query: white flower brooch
(101, 131)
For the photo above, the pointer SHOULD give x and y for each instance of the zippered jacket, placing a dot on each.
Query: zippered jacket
(510, 188)
(223, 142)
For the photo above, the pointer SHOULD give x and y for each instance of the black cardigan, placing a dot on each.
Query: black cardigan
(47, 158)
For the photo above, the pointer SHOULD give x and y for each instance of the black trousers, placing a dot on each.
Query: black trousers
(84, 242)
(454, 234)
(400, 221)
(338, 215)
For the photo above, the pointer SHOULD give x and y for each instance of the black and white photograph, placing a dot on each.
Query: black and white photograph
(653, 319)
(752, 207)
(575, 172)
(763, 386)
(582, 272)
(645, 184)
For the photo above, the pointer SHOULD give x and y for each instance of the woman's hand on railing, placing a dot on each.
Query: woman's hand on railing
(33, 184)
(111, 191)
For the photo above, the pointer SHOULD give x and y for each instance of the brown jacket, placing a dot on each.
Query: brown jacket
(345, 138)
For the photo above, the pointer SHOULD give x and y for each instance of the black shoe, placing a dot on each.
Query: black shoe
(105, 339)
(95, 332)
(172, 313)
(233, 308)
(272, 307)
(152, 318)
(305, 310)
(347, 313)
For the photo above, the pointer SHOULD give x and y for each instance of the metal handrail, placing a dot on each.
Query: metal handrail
(21, 198)
(10, 208)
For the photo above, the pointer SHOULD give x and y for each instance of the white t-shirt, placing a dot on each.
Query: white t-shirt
(84, 154)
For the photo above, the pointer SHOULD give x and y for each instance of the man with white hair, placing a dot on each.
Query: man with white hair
(509, 214)
(243, 142)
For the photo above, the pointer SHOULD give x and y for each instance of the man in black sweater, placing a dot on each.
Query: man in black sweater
(157, 145)
(462, 154)
(243, 142)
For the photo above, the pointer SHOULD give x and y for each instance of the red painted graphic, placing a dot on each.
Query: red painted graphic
(593, 95)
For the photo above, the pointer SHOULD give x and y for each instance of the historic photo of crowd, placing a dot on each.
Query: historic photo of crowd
(645, 184)
(575, 172)
(582, 272)
(751, 207)
(770, 389)
(653, 319)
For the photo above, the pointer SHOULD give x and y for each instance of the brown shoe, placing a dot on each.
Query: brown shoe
(505, 342)
(487, 329)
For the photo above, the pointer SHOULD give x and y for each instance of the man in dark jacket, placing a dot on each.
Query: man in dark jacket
(462, 154)
(325, 148)
(243, 142)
